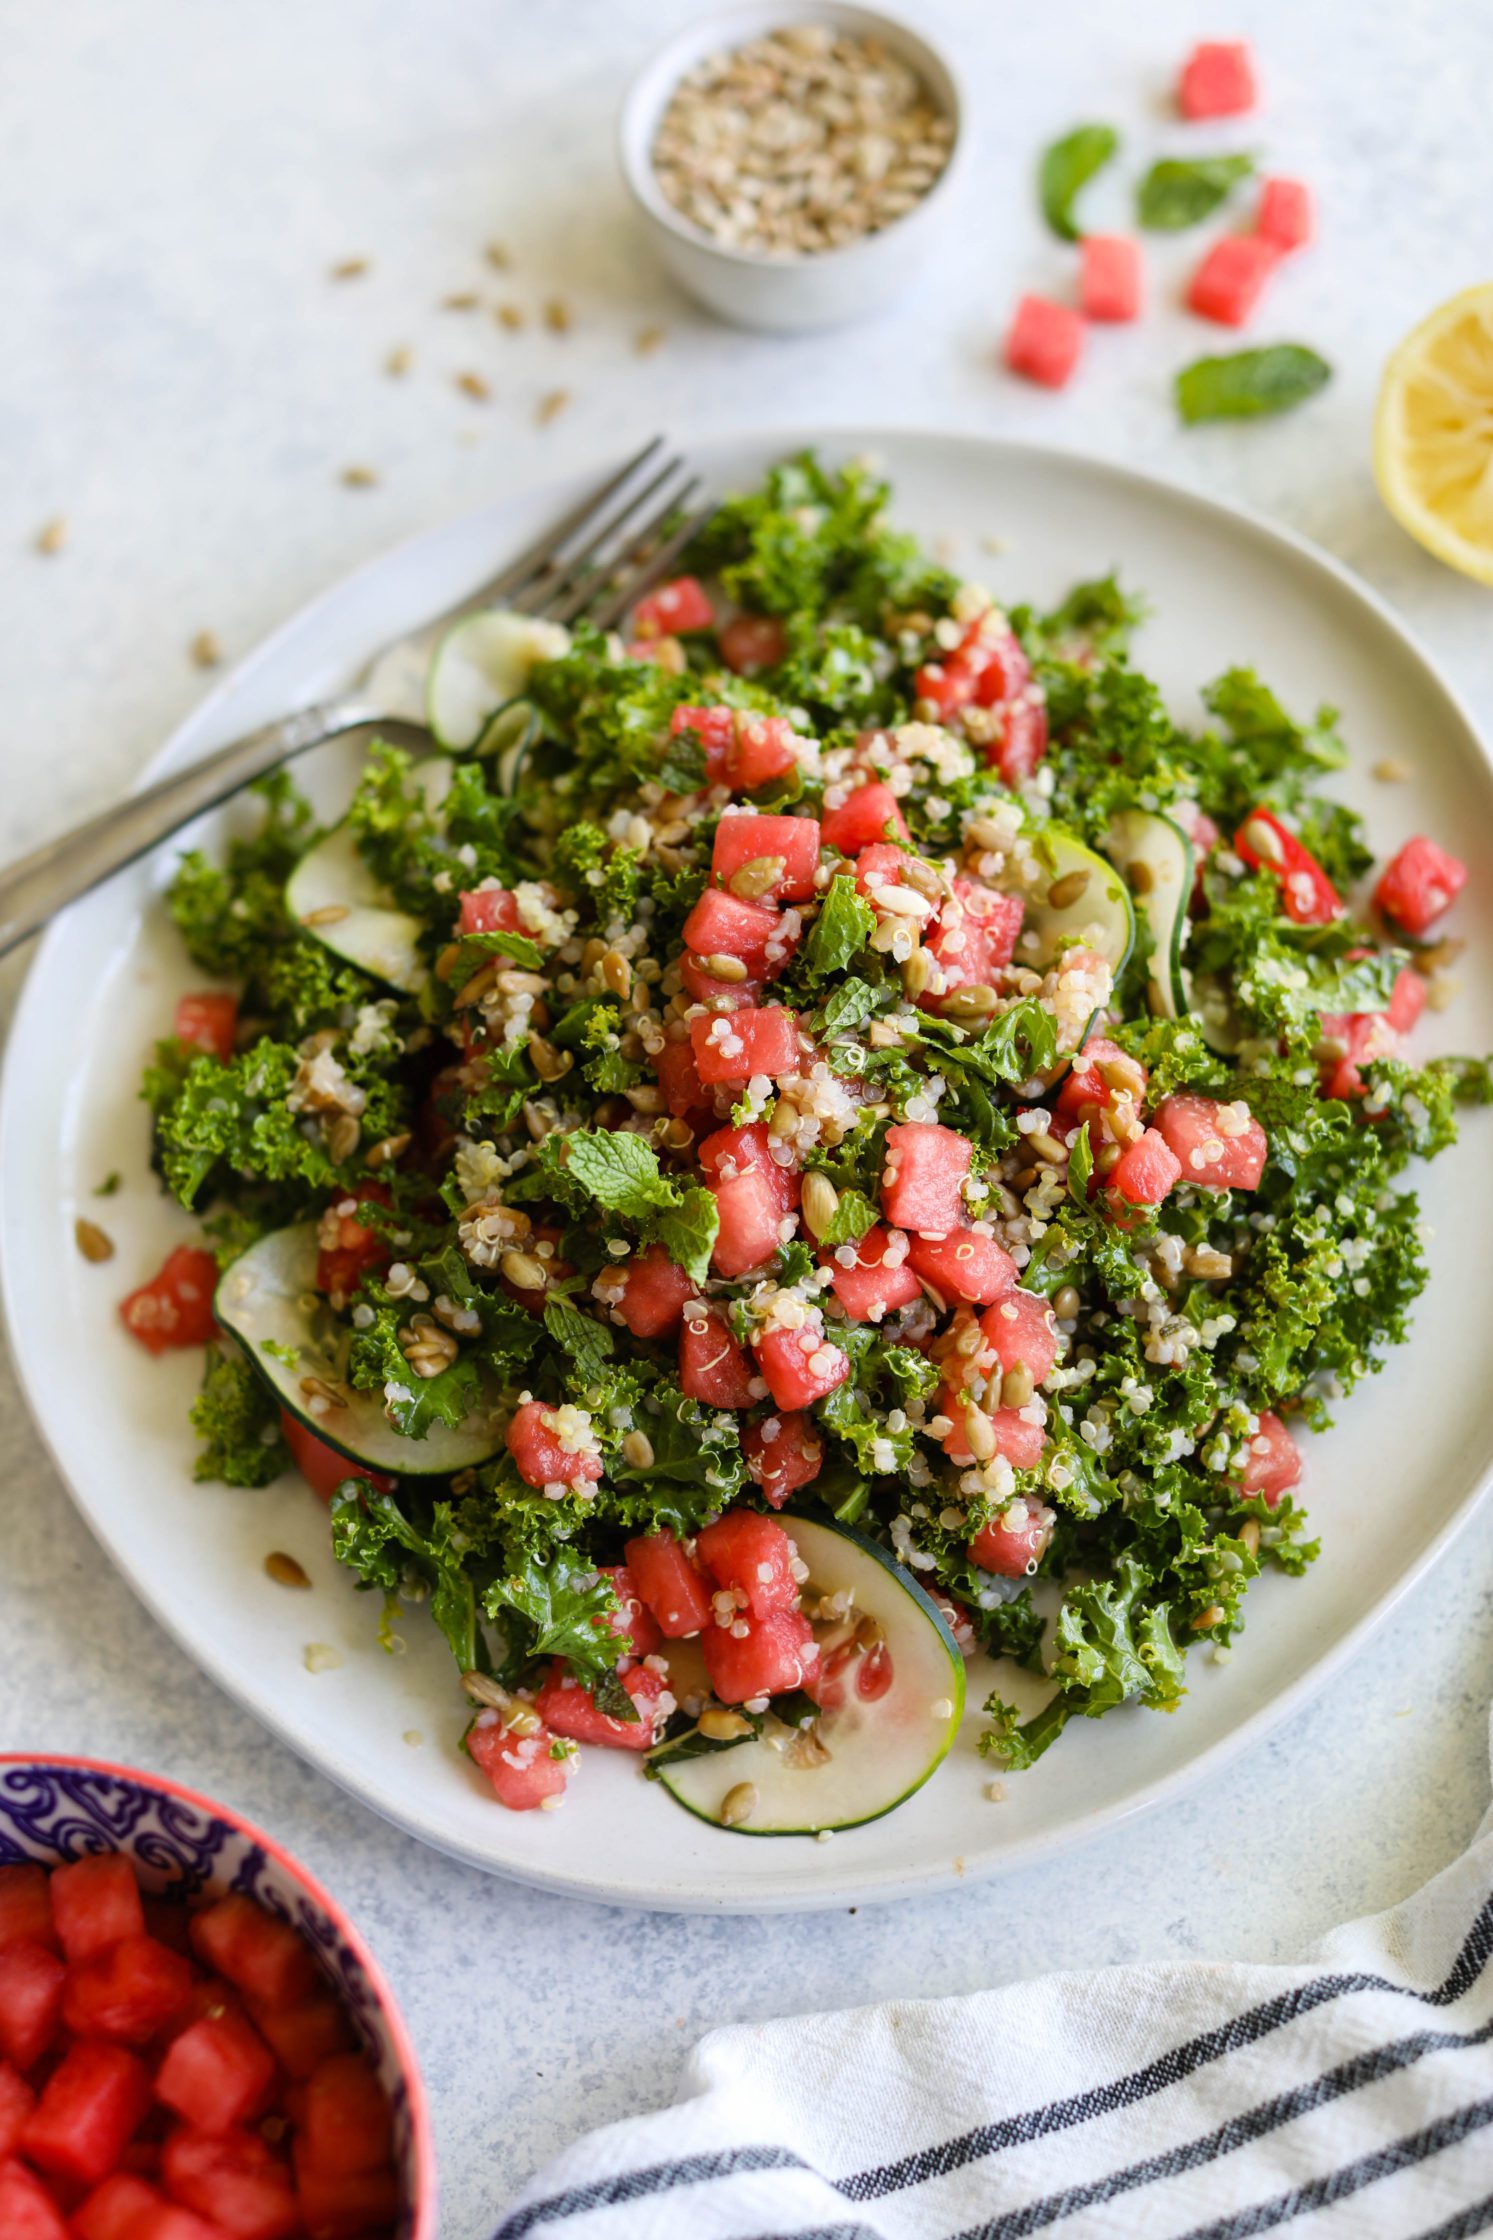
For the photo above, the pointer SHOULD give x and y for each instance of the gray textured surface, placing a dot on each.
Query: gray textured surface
(185, 385)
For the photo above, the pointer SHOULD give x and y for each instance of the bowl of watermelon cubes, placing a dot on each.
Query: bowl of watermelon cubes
(195, 2043)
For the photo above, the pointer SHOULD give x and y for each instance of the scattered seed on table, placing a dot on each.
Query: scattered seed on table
(648, 340)
(413, 1737)
(496, 253)
(359, 478)
(205, 650)
(398, 362)
(350, 268)
(1391, 772)
(285, 1571)
(52, 536)
(510, 316)
(474, 385)
(552, 405)
(465, 299)
(557, 315)
(93, 1242)
(321, 1656)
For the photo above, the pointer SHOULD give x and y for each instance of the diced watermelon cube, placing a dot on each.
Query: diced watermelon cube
(16, 2103)
(922, 1181)
(872, 812)
(533, 1438)
(1021, 742)
(963, 1265)
(1016, 1538)
(236, 2179)
(1307, 895)
(705, 986)
(175, 1308)
(1274, 1461)
(733, 1046)
(217, 2074)
(25, 1906)
(782, 1452)
(1365, 1036)
(646, 1295)
(488, 910)
(568, 1707)
(788, 847)
(1019, 1439)
(880, 868)
(267, 1959)
(1418, 884)
(632, 1621)
(754, 1196)
(1407, 999)
(1109, 285)
(1218, 80)
(1044, 341)
(128, 1993)
(673, 609)
(1231, 278)
(1286, 217)
(344, 2208)
(31, 1981)
(113, 2210)
(684, 1091)
(27, 2210)
(722, 925)
(1086, 1084)
(975, 937)
(1220, 1146)
(801, 1366)
(91, 2106)
(300, 2036)
(762, 751)
(765, 1657)
(753, 641)
(1020, 1327)
(673, 1586)
(207, 1021)
(867, 1285)
(754, 1555)
(346, 2124)
(712, 1366)
(524, 1769)
(1145, 1170)
(322, 1467)
(715, 728)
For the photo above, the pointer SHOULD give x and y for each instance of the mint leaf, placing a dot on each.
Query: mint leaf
(589, 1344)
(1080, 1166)
(854, 1215)
(688, 1232)
(851, 1005)
(1180, 191)
(619, 1171)
(1066, 167)
(841, 930)
(1249, 383)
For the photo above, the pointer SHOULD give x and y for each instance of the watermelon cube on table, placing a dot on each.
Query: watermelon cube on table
(1231, 278)
(337, 2207)
(1145, 1170)
(646, 1295)
(25, 1907)
(723, 925)
(753, 641)
(1016, 1538)
(27, 2209)
(300, 2036)
(781, 855)
(234, 2178)
(801, 1366)
(733, 1046)
(867, 1284)
(535, 1440)
(345, 2122)
(113, 2208)
(670, 1582)
(207, 1020)
(783, 1452)
(871, 812)
(754, 1555)
(1109, 286)
(1273, 1463)
(1419, 883)
(488, 910)
(713, 1367)
(267, 1959)
(1286, 216)
(1020, 1328)
(922, 1179)
(16, 2103)
(759, 1657)
(632, 1621)
(91, 2107)
(217, 2074)
(1219, 1146)
(966, 1264)
(525, 1769)
(674, 607)
(569, 1708)
(127, 1994)
(754, 1197)
(1044, 341)
(31, 1985)
(977, 929)
(1218, 80)
(95, 1902)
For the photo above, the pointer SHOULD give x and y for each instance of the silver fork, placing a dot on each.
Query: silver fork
(594, 563)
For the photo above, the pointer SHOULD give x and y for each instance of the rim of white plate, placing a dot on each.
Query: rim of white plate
(890, 1881)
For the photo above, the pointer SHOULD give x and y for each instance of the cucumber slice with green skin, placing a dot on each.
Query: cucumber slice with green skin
(333, 895)
(1155, 857)
(508, 741)
(268, 1297)
(1094, 908)
(879, 1753)
(482, 663)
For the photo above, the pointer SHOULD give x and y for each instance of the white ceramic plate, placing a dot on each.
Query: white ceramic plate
(1387, 1489)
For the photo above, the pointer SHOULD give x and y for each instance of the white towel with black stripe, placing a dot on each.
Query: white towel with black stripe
(1349, 2096)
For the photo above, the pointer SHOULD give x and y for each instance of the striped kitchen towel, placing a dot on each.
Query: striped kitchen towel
(1350, 2095)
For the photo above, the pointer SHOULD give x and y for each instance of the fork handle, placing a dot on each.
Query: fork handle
(41, 884)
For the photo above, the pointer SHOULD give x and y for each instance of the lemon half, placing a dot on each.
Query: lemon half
(1433, 433)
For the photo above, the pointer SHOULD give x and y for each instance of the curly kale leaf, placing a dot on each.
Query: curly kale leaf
(229, 916)
(375, 1537)
(238, 1424)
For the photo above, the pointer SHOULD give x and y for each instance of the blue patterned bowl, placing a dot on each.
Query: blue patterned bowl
(55, 1809)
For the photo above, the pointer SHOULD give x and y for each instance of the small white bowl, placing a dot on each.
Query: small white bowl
(787, 294)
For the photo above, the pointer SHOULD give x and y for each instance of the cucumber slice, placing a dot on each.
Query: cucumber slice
(508, 741)
(333, 895)
(1155, 857)
(482, 663)
(268, 1296)
(880, 1752)
(1096, 910)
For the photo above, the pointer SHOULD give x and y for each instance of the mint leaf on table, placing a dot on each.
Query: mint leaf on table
(620, 1171)
(1181, 191)
(1249, 383)
(688, 1232)
(841, 930)
(1067, 167)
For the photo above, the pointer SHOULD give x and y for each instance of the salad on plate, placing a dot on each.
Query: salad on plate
(821, 1137)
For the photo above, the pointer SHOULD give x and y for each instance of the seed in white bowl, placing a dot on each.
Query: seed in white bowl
(799, 142)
